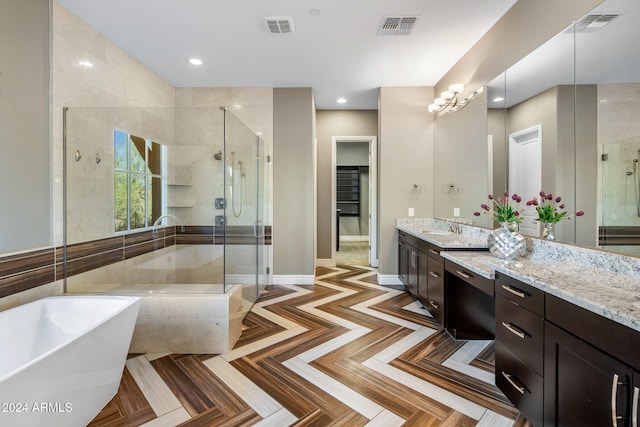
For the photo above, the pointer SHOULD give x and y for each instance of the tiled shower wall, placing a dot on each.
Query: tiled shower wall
(115, 80)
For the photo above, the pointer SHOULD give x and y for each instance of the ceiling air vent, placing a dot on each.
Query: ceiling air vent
(397, 25)
(279, 24)
(591, 23)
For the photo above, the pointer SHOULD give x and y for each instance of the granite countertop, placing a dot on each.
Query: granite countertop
(478, 262)
(613, 295)
(604, 283)
(610, 294)
(445, 239)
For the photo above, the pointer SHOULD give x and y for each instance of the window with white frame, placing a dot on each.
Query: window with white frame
(139, 181)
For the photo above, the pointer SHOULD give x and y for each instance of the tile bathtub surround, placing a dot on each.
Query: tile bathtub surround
(27, 270)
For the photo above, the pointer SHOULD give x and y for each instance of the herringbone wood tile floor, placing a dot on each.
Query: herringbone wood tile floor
(344, 352)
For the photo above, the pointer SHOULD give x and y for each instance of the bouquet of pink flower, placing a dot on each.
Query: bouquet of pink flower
(550, 210)
(501, 209)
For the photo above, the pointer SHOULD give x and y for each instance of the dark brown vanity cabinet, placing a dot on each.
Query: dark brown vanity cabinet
(470, 303)
(591, 368)
(519, 324)
(432, 291)
(421, 269)
(563, 365)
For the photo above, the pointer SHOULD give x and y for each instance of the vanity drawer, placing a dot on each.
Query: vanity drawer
(521, 331)
(522, 294)
(435, 306)
(522, 386)
(482, 283)
(435, 275)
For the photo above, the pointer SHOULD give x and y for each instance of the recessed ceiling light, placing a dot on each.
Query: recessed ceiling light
(314, 12)
(85, 64)
(498, 99)
(342, 101)
(195, 61)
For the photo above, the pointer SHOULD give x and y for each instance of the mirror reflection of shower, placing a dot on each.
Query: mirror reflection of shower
(237, 185)
(636, 181)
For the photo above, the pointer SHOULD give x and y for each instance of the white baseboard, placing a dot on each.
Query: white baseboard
(354, 238)
(326, 263)
(389, 279)
(286, 279)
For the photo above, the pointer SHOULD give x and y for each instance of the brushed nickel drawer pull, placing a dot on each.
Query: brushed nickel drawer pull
(434, 252)
(614, 403)
(514, 330)
(434, 274)
(521, 390)
(513, 291)
(463, 274)
(634, 411)
(433, 304)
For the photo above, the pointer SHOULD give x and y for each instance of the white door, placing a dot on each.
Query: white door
(525, 172)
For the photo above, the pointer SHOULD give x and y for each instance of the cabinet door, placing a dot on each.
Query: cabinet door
(582, 385)
(423, 277)
(403, 262)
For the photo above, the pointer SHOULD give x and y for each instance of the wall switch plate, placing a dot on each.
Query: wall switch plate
(456, 212)
(411, 212)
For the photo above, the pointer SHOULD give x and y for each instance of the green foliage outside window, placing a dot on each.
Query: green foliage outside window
(138, 177)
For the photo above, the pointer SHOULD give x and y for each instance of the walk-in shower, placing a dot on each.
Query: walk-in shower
(619, 195)
(143, 220)
(636, 181)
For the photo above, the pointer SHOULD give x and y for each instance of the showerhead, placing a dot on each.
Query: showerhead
(218, 155)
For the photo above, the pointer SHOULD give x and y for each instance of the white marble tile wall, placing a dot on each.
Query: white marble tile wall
(619, 138)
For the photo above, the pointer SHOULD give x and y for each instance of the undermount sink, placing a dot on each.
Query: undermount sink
(438, 233)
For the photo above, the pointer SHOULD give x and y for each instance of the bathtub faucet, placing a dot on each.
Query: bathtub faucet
(160, 218)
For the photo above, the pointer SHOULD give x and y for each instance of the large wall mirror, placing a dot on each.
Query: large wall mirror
(578, 98)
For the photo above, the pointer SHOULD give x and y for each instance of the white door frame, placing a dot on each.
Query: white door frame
(526, 136)
(373, 193)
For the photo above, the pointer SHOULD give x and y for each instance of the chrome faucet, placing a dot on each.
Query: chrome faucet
(455, 228)
(161, 217)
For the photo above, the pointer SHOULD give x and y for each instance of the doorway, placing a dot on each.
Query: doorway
(525, 171)
(354, 199)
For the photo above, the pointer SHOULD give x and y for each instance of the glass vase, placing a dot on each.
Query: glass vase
(548, 230)
(506, 242)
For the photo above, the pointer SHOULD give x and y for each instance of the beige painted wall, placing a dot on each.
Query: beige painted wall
(294, 172)
(527, 25)
(405, 157)
(554, 110)
(24, 126)
(462, 161)
(335, 123)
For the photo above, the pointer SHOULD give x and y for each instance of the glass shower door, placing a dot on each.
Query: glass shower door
(243, 222)
(619, 196)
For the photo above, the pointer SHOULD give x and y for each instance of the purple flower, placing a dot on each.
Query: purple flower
(558, 199)
(506, 194)
(476, 213)
(549, 196)
(484, 206)
(535, 202)
(542, 194)
(519, 199)
(490, 196)
(530, 202)
(517, 213)
(579, 213)
(562, 206)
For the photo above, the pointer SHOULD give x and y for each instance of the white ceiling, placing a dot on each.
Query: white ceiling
(337, 52)
(608, 55)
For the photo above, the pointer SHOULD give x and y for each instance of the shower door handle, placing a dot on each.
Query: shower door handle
(257, 224)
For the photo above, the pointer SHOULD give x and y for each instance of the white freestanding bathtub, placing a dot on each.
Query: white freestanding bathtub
(62, 358)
